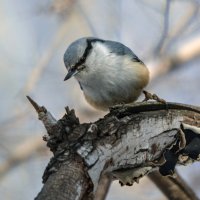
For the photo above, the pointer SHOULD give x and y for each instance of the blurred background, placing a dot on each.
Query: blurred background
(33, 38)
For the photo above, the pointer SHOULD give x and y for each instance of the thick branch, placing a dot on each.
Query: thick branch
(70, 182)
(128, 143)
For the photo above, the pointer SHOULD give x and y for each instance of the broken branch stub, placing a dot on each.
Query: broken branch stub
(128, 143)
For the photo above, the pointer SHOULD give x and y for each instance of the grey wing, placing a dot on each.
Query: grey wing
(120, 49)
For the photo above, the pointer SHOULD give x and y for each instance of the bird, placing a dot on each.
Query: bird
(108, 72)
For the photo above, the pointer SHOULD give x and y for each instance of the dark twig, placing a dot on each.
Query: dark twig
(36, 106)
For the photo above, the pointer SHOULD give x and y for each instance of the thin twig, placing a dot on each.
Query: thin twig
(34, 104)
(182, 26)
(165, 28)
(185, 53)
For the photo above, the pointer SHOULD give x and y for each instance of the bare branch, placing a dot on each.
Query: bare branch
(173, 187)
(182, 25)
(103, 187)
(128, 143)
(165, 28)
(185, 53)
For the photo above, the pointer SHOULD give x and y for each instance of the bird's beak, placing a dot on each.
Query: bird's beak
(71, 72)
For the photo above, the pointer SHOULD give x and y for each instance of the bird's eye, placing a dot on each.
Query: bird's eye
(81, 67)
(72, 66)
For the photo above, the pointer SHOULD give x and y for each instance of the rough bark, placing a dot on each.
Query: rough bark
(128, 143)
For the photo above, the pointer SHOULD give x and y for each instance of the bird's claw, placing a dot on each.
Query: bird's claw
(149, 96)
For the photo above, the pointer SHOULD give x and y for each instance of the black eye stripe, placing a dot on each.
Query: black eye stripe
(86, 52)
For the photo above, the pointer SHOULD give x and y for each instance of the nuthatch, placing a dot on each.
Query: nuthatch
(108, 72)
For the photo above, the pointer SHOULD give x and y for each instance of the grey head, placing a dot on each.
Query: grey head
(76, 54)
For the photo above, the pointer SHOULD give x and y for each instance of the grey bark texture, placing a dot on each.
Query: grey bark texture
(130, 142)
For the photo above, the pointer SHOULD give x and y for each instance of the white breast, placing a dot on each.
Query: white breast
(111, 79)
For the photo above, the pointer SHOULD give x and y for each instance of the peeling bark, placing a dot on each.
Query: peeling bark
(128, 143)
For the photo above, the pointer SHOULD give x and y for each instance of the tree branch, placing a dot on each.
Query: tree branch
(165, 28)
(184, 54)
(173, 187)
(128, 143)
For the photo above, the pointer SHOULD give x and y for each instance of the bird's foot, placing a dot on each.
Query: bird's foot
(149, 96)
